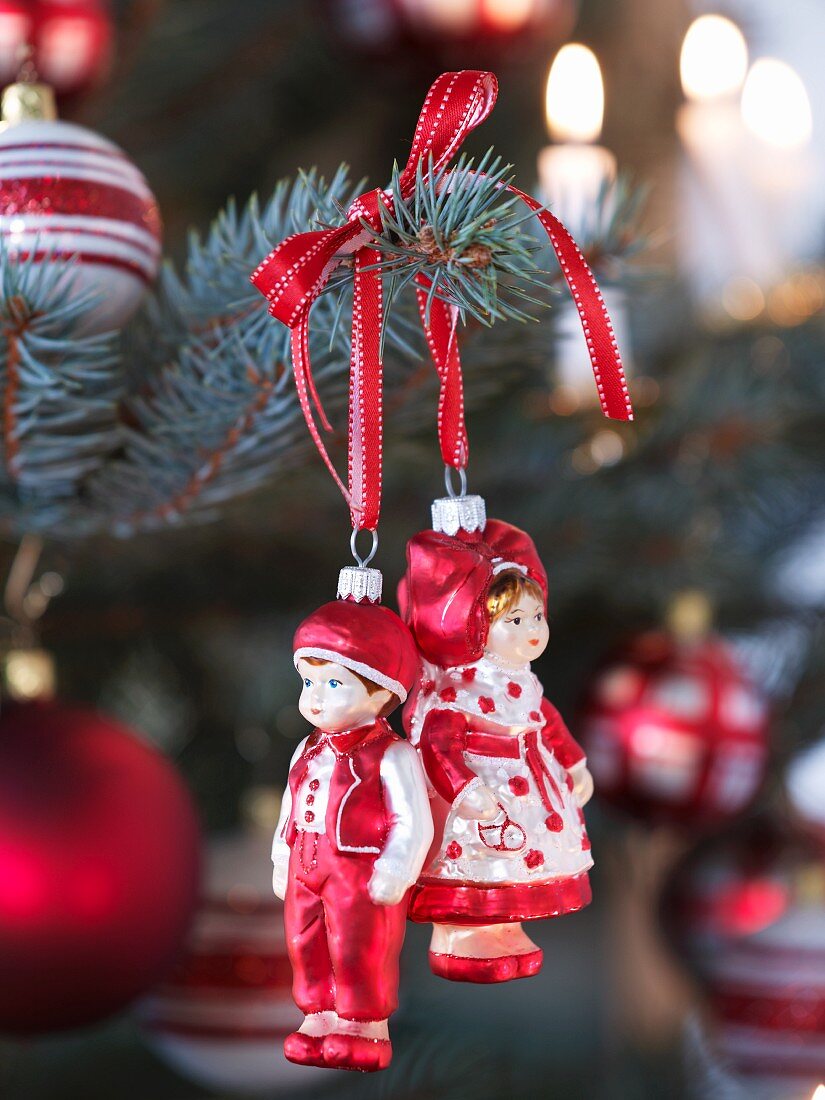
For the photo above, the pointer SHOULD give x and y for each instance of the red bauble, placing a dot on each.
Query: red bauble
(451, 31)
(675, 732)
(221, 1016)
(71, 41)
(747, 913)
(98, 867)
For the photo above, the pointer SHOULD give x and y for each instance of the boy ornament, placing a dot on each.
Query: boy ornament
(508, 779)
(354, 829)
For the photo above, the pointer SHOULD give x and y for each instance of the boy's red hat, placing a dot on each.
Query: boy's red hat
(366, 638)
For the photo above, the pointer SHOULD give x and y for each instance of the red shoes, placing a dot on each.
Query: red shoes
(504, 968)
(338, 1051)
(356, 1052)
(305, 1050)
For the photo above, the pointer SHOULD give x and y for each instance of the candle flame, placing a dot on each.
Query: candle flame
(574, 100)
(776, 108)
(819, 1093)
(714, 58)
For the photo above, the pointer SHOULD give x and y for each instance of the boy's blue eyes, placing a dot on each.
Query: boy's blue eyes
(307, 683)
(334, 683)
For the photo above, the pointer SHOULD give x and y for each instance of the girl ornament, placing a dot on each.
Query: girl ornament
(508, 780)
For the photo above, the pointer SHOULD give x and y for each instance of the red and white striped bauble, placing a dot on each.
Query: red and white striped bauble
(222, 1016)
(747, 912)
(675, 732)
(67, 193)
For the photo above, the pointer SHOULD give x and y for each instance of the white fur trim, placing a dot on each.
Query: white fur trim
(499, 566)
(369, 673)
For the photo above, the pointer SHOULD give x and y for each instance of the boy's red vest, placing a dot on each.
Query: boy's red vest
(357, 819)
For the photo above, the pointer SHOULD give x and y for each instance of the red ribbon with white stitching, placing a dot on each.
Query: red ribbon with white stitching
(295, 273)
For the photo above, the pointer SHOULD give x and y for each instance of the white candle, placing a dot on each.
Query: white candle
(574, 171)
(573, 175)
(725, 237)
(776, 113)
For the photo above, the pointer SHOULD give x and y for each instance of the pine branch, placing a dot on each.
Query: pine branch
(209, 411)
(60, 391)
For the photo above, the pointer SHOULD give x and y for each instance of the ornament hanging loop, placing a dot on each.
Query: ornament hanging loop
(362, 563)
(462, 479)
(358, 582)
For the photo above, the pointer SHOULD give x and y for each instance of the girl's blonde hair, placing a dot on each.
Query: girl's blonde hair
(506, 591)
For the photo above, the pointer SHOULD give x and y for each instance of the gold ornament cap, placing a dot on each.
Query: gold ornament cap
(27, 101)
(28, 674)
(690, 616)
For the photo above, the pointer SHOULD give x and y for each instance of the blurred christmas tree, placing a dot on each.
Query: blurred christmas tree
(169, 469)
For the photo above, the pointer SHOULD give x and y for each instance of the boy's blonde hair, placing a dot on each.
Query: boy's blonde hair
(506, 591)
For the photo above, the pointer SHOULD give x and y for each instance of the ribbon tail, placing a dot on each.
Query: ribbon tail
(441, 331)
(366, 413)
(598, 329)
(304, 388)
(542, 777)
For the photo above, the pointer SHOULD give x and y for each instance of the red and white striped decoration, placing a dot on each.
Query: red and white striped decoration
(748, 913)
(67, 193)
(222, 1016)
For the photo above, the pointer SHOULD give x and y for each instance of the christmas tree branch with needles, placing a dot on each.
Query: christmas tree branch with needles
(193, 405)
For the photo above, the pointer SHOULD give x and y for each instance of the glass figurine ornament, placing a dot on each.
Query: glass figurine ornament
(507, 779)
(354, 829)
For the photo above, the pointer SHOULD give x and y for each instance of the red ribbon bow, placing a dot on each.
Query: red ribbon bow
(294, 274)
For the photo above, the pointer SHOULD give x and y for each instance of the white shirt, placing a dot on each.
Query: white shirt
(410, 832)
(313, 794)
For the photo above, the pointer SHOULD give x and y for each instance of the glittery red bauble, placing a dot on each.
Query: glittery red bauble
(675, 733)
(746, 912)
(453, 32)
(98, 867)
(71, 41)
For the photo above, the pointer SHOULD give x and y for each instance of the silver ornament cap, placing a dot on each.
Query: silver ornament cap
(453, 514)
(359, 582)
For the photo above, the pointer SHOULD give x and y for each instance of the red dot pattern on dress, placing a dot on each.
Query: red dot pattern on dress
(554, 822)
(468, 675)
(514, 689)
(448, 695)
(453, 850)
(486, 704)
(534, 858)
(535, 716)
(585, 843)
(519, 785)
(429, 687)
(314, 784)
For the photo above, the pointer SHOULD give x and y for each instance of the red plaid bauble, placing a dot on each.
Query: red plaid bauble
(675, 732)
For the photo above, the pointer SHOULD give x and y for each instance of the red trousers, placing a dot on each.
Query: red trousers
(343, 948)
